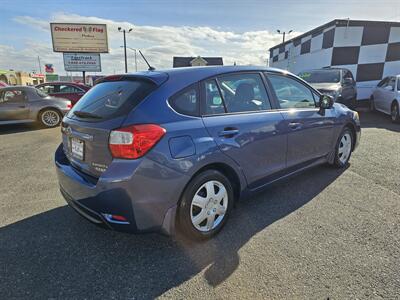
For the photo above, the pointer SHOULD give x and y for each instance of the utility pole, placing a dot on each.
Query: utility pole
(284, 34)
(126, 59)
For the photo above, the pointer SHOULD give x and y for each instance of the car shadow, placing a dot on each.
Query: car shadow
(378, 120)
(16, 128)
(57, 254)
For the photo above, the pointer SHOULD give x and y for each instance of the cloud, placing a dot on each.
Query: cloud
(158, 43)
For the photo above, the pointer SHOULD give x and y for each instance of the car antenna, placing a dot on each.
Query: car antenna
(150, 67)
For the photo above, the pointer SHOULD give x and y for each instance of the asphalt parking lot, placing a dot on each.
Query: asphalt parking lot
(326, 233)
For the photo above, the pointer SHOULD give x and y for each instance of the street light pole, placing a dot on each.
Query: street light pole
(284, 34)
(126, 59)
(40, 65)
(134, 50)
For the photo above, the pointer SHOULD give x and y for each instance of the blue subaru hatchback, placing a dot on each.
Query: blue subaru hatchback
(159, 150)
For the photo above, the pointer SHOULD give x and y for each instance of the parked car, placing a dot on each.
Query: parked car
(152, 150)
(386, 97)
(336, 82)
(68, 90)
(25, 104)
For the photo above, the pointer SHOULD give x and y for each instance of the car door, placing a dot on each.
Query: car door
(388, 95)
(238, 114)
(70, 92)
(379, 93)
(349, 88)
(13, 105)
(310, 133)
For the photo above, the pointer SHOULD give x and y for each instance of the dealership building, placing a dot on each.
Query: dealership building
(370, 49)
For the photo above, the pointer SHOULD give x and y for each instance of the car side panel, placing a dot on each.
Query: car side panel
(310, 134)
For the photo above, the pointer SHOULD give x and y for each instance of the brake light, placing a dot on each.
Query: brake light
(69, 105)
(134, 141)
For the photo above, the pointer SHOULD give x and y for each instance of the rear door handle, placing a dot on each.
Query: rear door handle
(228, 132)
(294, 125)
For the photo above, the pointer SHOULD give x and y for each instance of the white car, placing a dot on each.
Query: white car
(386, 97)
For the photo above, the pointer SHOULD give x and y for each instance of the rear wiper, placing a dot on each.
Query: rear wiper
(84, 114)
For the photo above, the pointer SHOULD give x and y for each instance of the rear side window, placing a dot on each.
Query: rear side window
(69, 89)
(213, 101)
(50, 89)
(112, 98)
(186, 102)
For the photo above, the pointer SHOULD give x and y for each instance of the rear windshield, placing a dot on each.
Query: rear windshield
(321, 76)
(111, 99)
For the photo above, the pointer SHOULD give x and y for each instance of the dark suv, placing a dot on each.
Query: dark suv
(336, 82)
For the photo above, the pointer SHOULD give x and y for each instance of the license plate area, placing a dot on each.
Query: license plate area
(77, 148)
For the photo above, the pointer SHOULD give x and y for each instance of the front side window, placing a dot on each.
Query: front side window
(291, 93)
(13, 96)
(383, 82)
(392, 83)
(347, 75)
(186, 102)
(243, 93)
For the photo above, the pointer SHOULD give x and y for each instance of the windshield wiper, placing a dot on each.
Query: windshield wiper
(84, 114)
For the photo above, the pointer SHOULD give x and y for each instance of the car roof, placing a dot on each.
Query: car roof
(64, 82)
(17, 87)
(199, 73)
(325, 69)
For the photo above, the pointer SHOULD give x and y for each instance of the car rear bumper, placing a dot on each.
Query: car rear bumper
(127, 188)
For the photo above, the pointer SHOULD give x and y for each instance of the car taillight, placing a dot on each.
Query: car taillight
(69, 105)
(134, 141)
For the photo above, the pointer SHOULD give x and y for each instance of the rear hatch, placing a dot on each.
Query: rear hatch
(86, 129)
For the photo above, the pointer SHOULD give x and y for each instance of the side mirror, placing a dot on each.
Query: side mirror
(325, 102)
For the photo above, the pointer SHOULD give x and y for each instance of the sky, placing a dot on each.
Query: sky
(239, 31)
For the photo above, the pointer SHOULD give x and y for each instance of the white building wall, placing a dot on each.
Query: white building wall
(371, 50)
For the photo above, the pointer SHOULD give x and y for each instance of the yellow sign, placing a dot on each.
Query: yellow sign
(78, 38)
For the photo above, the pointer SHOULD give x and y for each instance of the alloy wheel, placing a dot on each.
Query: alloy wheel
(50, 118)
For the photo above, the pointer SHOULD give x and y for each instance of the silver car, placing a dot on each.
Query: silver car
(25, 104)
(386, 97)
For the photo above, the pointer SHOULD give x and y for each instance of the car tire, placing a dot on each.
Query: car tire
(395, 113)
(50, 118)
(343, 148)
(205, 205)
(372, 104)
